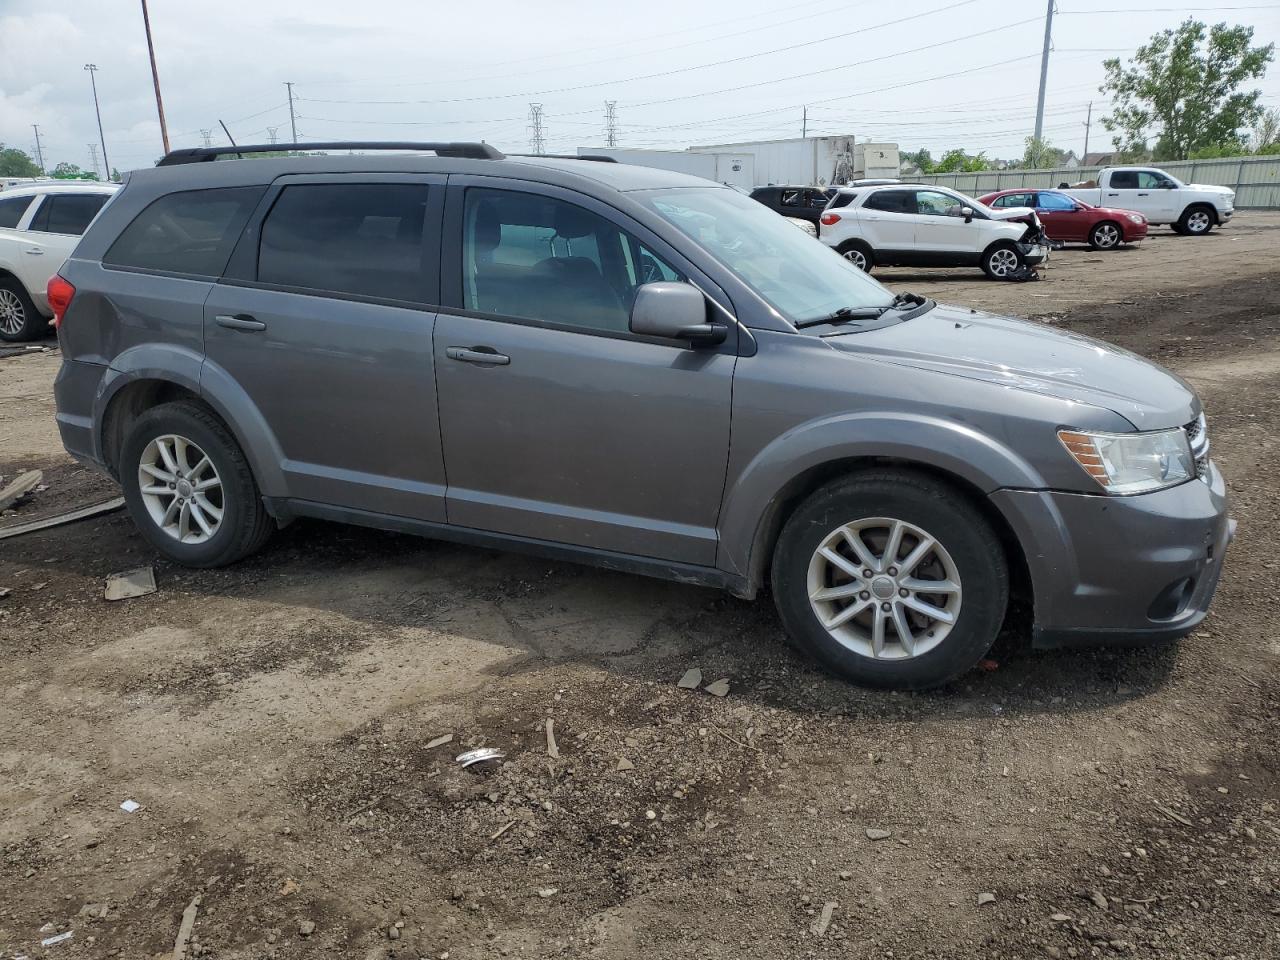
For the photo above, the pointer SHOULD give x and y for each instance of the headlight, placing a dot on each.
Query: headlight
(1124, 463)
(1137, 218)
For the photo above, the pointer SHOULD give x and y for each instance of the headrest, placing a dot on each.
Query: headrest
(573, 222)
(488, 229)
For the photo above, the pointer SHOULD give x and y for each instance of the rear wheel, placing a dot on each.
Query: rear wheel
(1196, 221)
(857, 253)
(18, 317)
(1105, 236)
(189, 488)
(891, 579)
(1002, 261)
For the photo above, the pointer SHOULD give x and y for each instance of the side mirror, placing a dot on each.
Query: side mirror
(674, 311)
(1168, 185)
(967, 213)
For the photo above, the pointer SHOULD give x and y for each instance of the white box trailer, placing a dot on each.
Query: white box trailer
(735, 169)
(801, 161)
(876, 161)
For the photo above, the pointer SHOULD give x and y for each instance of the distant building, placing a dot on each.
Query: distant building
(1098, 159)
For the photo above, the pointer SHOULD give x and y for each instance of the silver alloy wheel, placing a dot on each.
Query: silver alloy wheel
(12, 315)
(1199, 222)
(884, 588)
(181, 489)
(1106, 235)
(857, 258)
(1003, 262)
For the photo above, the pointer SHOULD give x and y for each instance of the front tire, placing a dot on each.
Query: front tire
(1106, 235)
(189, 488)
(857, 253)
(1002, 261)
(891, 579)
(1196, 221)
(19, 319)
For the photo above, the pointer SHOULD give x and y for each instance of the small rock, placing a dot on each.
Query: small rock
(393, 933)
(846, 875)
(306, 928)
(720, 688)
(547, 892)
(650, 815)
(691, 680)
(985, 898)
(1097, 898)
(625, 764)
(875, 833)
(1059, 917)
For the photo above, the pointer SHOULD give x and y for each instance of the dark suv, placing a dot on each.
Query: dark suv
(633, 368)
(802, 203)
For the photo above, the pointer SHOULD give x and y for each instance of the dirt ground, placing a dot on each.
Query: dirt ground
(276, 722)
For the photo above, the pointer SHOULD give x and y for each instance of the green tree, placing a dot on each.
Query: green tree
(1183, 87)
(16, 163)
(1041, 155)
(921, 159)
(1266, 132)
(69, 171)
(957, 161)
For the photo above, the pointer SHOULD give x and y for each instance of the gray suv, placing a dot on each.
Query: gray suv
(632, 368)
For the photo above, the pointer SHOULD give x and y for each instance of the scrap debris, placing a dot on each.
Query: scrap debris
(20, 487)
(129, 806)
(691, 680)
(131, 583)
(440, 741)
(553, 751)
(479, 756)
(824, 919)
(719, 688)
(184, 930)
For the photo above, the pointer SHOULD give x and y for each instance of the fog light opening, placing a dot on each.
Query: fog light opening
(1172, 600)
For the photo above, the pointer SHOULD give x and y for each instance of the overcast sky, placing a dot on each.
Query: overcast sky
(927, 73)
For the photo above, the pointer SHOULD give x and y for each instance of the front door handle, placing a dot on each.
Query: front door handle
(1144, 194)
(485, 356)
(241, 321)
(34, 251)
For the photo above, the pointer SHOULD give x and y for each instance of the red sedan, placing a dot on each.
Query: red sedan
(1074, 221)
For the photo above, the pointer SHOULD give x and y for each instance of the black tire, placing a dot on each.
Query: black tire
(245, 524)
(24, 322)
(858, 253)
(936, 508)
(994, 260)
(1198, 220)
(1107, 235)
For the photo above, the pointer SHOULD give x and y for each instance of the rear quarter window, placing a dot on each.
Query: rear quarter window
(12, 209)
(192, 232)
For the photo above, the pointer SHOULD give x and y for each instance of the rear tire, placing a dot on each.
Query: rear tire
(1106, 235)
(858, 253)
(966, 559)
(1002, 260)
(19, 319)
(1197, 221)
(206, 516)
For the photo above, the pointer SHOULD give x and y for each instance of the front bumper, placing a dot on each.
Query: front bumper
(1034, 253)
(1121, 569)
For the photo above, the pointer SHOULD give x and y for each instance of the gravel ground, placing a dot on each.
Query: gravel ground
(279, 723)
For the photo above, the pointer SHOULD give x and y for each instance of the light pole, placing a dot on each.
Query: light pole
(93, 69)
(155, 77)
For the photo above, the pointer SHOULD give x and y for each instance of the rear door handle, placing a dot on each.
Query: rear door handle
(35, 251)
(1144, 194)
(485, 356)
(241, 321)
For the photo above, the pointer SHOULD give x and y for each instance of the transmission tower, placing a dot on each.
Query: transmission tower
(206, 136)
(93, 158)
(611, 123)
(273, 134)
(39, 150)
(536, 139)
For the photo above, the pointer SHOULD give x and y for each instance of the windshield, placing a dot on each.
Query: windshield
(800, 277)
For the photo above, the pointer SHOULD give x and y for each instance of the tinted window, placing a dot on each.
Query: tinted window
(358, 238)
(841, 199)
(190, 232)
(543, 259)
(12, 209)
(1055, 201)
(1125, 180)
(68, 213)
(792, 198)
(892, 201)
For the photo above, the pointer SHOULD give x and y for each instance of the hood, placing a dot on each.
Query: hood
(1119, 212)
(1011, 213)
(1030, 356)
(1210, 188)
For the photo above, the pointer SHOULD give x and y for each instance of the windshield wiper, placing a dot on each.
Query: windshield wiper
(903, 301)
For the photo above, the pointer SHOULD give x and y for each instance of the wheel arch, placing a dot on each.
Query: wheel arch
(1200, 205)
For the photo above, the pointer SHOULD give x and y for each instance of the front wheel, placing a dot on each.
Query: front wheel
(891, 579)
(1196, 222)
(1002, 261)
(1105, 236)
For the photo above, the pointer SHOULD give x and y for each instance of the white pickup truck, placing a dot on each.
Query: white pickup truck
(1190, 208)
(40, 225)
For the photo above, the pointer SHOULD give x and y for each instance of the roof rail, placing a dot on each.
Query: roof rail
(597, 157)
(473, 151)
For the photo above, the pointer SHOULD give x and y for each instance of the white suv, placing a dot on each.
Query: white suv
(926, 226)
(40, 225)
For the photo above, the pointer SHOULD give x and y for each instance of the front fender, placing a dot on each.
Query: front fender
(934, 443)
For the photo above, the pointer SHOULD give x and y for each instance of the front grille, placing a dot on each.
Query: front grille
(1198, 437)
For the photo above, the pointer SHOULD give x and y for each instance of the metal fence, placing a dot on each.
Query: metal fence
(1256, 180)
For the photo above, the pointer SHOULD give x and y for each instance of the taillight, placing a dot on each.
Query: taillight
(60, 293)
(829, 219)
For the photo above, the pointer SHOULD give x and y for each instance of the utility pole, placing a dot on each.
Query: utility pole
(155, 77)
(1044, 68)
(39, 152)
(536, 140)
(93, 156)
(610, 123)
(1087, 124)
(804, 123)
(93, 81)
(206, 136)
(293, 121)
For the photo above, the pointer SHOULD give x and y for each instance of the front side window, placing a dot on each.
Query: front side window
(539, 258)
(1151, 180)
(891, 201)
(363, 239)
(68, 213)
(192, 232)
(12, 209)
(800, 277)
(934, 203)
(1055, 201)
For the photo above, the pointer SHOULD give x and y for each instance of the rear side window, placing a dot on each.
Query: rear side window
(1125, 180)
(68, 213)
(356, 238)
(892, 201)
(12, 209)
(192, 232)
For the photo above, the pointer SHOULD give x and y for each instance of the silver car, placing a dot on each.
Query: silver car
(633, 368)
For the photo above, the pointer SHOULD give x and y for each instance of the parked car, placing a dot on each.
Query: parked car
(1074, 221)
(802, 203)
(39, 227)
(1190, 208)
(924, 226)
(629, 367)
